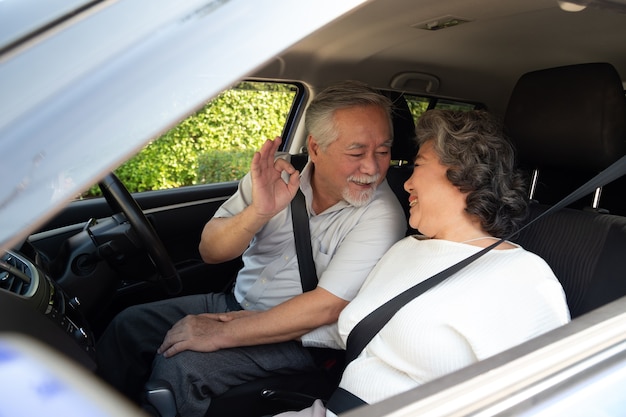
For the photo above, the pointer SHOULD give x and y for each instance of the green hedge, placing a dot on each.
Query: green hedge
(214, 145)
(221, 165)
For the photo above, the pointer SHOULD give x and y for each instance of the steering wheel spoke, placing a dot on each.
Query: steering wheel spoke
(120, 199)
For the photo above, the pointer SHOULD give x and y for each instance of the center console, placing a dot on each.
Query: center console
(22, 280)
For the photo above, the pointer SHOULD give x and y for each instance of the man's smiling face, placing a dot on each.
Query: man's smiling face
(353, 165)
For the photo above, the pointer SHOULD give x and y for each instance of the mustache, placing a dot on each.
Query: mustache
(364, 179)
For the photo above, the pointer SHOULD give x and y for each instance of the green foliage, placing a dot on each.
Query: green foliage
(216, 144)
(222, 165)
(417, 105)
(454, 105)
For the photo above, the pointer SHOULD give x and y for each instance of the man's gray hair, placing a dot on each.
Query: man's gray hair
(320, 122)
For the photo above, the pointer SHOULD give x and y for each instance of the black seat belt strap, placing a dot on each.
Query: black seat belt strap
(302, 233)
(343, 400)
(367, 328)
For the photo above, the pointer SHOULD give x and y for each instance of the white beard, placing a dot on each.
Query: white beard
(361, 198)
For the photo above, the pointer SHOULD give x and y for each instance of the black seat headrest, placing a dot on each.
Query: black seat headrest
(404, 145)
(568, 117)
(403, 150)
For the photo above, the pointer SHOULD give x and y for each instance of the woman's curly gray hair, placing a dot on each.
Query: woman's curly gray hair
(481, 162)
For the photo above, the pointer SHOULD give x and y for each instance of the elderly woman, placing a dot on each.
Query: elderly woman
(464, 195)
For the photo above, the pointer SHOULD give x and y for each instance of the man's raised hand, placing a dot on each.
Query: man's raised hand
(270, 193)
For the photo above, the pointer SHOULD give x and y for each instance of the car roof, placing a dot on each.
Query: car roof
(20, 19)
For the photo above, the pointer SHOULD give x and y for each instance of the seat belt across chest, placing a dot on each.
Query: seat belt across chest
(302, 233)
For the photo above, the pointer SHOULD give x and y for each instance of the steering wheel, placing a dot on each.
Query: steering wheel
(119, 199)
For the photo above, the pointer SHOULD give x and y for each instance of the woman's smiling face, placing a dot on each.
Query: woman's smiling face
(436, 205)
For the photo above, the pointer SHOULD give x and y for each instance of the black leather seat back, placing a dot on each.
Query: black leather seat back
(568, 122)
(586, 251)
(403, 150)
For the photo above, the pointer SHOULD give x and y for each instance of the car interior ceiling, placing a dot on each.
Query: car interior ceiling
(500, 41)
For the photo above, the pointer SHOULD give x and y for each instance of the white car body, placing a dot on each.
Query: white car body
(62, 72)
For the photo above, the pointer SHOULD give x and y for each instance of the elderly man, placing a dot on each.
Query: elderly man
(205, 344)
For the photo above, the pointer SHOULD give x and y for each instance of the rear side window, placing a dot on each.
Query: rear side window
(217, 143)
(419, 104)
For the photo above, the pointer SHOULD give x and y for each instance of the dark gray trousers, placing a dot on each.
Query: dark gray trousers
(126, 355)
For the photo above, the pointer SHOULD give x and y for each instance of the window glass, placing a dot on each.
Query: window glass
(454, 105)
(419, 104)
(217, 143)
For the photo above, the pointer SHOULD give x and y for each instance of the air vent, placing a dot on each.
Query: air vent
(443, 22)
(16, 274)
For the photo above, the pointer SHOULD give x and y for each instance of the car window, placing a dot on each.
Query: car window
(454, 105)
(216, 144)
(419, 104)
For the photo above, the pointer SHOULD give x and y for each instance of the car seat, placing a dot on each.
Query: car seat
(568, 123)
(403, 150)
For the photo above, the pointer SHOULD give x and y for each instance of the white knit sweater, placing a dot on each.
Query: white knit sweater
(504, 298)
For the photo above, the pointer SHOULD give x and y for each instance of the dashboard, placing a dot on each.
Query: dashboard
(22, 280)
